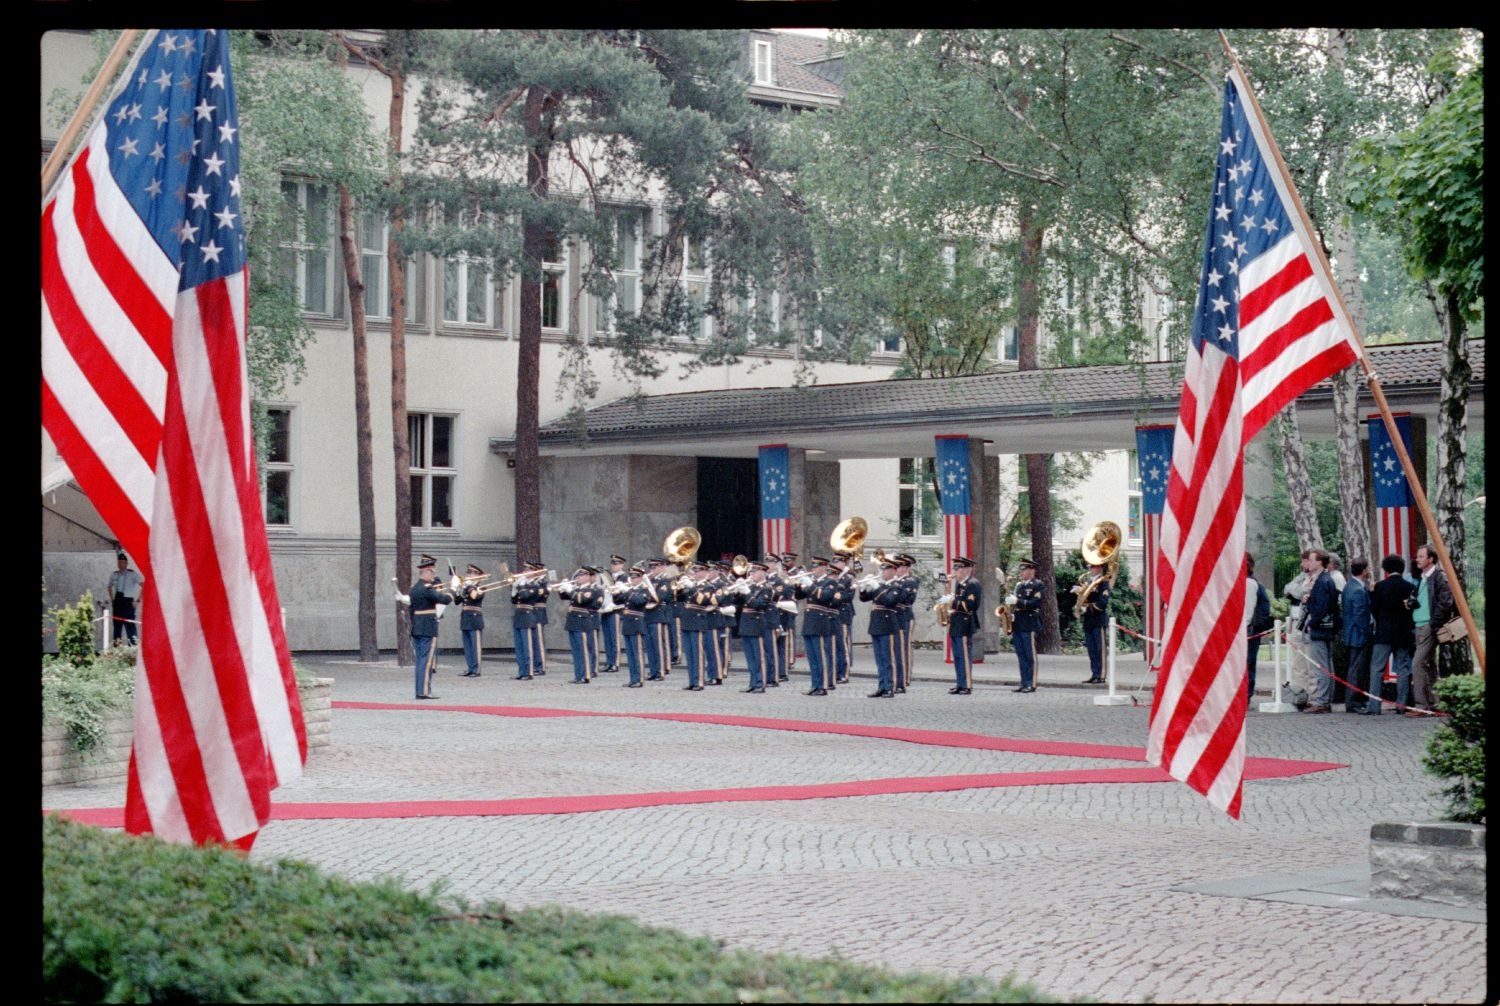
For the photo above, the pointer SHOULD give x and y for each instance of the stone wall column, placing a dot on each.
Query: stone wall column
(796, 476)
(985, 505)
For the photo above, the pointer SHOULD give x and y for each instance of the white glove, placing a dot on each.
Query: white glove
(1010, 599)
(743, 587)
(945, 599)
(454, 583)
(440, 609)
(804, 581)
(1076, 589)
(790, 606)
(727, 609)
(403, 598)
(565, 589)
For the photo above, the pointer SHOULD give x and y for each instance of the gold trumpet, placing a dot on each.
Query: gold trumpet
(506, 581)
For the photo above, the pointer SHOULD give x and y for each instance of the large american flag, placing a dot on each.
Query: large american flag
(145, 396)
(953, 496)
(1153, 452)
(775, 500)
(1266, 327)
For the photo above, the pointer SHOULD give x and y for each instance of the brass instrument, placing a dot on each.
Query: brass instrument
(740, 565)
(944, 610)
(1100, 547)
(850, 536)
(681, 545)
(1002, 610)
(506, 581)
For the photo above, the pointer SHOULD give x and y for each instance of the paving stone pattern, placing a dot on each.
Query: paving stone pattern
(1066, 886)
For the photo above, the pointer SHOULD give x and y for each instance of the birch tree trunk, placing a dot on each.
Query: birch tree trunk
(1298, 482)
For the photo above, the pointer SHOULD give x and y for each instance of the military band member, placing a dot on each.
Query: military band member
(1095, 618)
(906, 607)
(425, 596)
(658, 647)
(884, 595)
(842, 653)
(781, 590)
(609, 617)
(471, 622)
(1026, 621)
(538, 635)
(635, 601)
(696, 600)
(820, 622)
(757, 606)
(789, 572)
(963, 600)
(716, 635)
(584, 598)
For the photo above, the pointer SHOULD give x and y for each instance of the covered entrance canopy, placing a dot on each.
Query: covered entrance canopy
(1015, 412)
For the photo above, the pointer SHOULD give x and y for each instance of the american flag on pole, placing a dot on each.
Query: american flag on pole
(1267, 326)
(1153, 452)
(775, 500)
(953, 495)
(145, 396)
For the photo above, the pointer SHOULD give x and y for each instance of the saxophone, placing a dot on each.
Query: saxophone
(944, 611)
(1002, 611)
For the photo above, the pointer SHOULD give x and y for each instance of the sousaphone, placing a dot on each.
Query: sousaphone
(681, 545)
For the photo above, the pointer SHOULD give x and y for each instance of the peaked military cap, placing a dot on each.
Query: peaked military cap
(617, 558)
(963, 562)
(818, 560)
(770, 558)
(426, 562)
(1026, 564)
(759, 565)
(534, 567)
(475, 569)
(788, 556)
(637, 571)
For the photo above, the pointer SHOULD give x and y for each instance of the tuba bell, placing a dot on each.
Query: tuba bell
(681, 545)
(740, 565)
(850, 536)
(1100, 547)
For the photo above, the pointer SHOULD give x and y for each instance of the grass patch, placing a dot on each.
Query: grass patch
(136, 919)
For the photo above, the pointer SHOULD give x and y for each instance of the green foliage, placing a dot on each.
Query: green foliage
(75, 630)
(136, 919)
(82, 697)
(1427, 185)
(1126, 603)
(1455, 751)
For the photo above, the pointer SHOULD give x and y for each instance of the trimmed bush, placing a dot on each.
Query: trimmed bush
(136, 919)
(81, 697)
(1455, 751)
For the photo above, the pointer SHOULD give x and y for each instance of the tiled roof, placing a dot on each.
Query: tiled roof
(1125, 391)
(792, 52)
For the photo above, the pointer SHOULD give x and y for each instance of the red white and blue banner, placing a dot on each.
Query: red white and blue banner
(1153, 452)
(1395, 507)
(775, 500)
(954, 497)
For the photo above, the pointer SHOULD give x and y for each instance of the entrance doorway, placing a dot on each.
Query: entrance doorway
(729, 507)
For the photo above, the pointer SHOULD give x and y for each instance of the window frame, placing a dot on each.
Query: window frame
(1135, 500)
(921, 485)
(462, 261)
(556, 270)
(763, 48)
(280, 466)
(302, 248)
(420, 450)
(377, 283)
(635, 275)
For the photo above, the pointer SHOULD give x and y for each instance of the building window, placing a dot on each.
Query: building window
(374, 235)
(555, 284)
(278, 468)
(763, 63)
(695, 277)
(625, 297)
(1008, 345)
(920, 514)
(432, 469)
(306, 259)
(1137, 529)
(468, 291)
(890, 342)
(763, 313)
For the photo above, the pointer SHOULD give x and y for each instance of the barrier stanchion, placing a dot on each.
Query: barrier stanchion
(1276, 705)
(1111, 699)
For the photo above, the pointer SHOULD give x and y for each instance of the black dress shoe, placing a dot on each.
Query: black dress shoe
(426, 696)
(818, 691)
(716, 682)
(900, 690)
(633, 684)
(881, 694)
(692, 688)
(773, 684)
(654, 677)
(1093, 681)
(842, 681)
(756, 691)
(1030, 689)
(580, 681)
(541, 674)
(611, 669)
(523, 677)
(957, 691)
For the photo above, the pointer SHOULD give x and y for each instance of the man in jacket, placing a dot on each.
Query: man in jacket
(1393, 638)
(1358, 638)
(1321, 619)
(1434, 608)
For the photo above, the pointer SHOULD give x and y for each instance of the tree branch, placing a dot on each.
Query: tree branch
(978, 153)
(1191, 71)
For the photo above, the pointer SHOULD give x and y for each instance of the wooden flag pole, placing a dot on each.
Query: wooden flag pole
(1376, 391)
(65, 143)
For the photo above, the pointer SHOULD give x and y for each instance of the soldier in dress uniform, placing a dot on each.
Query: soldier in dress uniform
(1095, 618)
(885, 626)
(471, 622)
(538, 635)
(842, 651)
(716, 633)
(789, 572)
(527, 594)
(1026, 621)
(584, 598)
(696, 600)
(425, 596)
(658, 645)
(775, 671)
(609, 618)
(905, 605)
(964, 599)
(635, 600)
(756, 608)
(820, 622)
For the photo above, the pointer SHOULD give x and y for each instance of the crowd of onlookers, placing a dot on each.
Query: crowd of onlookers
(1390, 622)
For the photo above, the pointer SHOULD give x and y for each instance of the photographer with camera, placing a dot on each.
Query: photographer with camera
(1320, 625)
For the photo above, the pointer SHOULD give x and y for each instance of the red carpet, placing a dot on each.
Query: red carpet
(1255, 768)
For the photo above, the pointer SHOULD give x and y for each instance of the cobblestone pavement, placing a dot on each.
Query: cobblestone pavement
(1069, 886)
